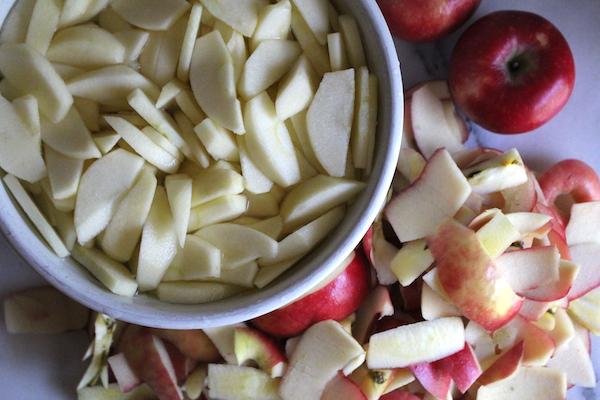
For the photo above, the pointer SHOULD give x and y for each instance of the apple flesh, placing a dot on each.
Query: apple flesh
(112, 391)
(579, 230)
(376, 306)
(159, 15)
(529, 268)
(342, 387)
(574, 359)
(511, 78)
(504, 366)
(588, 278)
(434, 378)
(234, 382)
(124, 375)
(251, 345)
(527, 383)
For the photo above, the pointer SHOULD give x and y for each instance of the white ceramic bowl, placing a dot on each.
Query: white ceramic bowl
(72, 279)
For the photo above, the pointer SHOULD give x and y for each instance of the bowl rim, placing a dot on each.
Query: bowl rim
(322, 261)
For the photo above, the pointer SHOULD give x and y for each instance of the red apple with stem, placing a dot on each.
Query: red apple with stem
(511, 71)
(426, 20)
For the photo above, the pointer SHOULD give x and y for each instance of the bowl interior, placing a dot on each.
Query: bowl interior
(69, 277)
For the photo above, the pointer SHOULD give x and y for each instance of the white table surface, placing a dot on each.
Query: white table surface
(48, 367)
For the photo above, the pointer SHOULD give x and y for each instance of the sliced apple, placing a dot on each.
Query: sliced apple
(186, 128)
(329, 120)
(212, 80)
(580, 229)
(563, 330)
(274, 22)
(337, 52)
(314, 51)
(240, 15)
(573, 359)
(315, 362)
(586, 256)
(162, 142)
(111, 21)
(375, 307)
(122, 234)
(112, 391)
(437, 195)
(296, 89)
(584, 310)
(433, 306)
(529, 268)
(239, 244)
(352, 38)
(29, 72)
(502, 172)
(530, 224)
(156, 15)
(218, 142)
(254, 180)
(558, 288)
(411, 261)
(101, 188)
(179, 193)
(263, 205)
(115, 276)
(213, 183)
(28, 110)
(193, 343)
(271, 226)
(251, 345)
(201, 260)
(434, 378)
(365, 119)
(195, 292)
(527, 383)
(538, 343)
(504, 366)
(14, 28)
(382, 255)
(70, 136)
(168, 93)
(521, 198)
(222, 209)
(111, 85)
(316, 15)
(63, 173)
(234, 382)
(158, 60)
(124, 375)
(134, 41)
(43, 24)
(269, 143)
(404, 346)
(481, 294)
(342, 387)
(20, 153)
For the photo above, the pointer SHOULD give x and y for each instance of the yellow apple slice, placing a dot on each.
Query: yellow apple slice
(584, 310)
(186, 128)
(274, 22)
(365, 119)
(261, 205)
(153, 15)
(106, 140)
(101, 188)
(239, 244)
(267, 64)
(315, 361)
(111, 21)
(213, 82)
(497, 235)
(162, 142)
(218, 142)
(134, 41)
(306, 238)
(243, 275)
(563, 330)
(316, 15)
(111, 85)
(158, 246)
(14, 28)
(241, 15)
(189, 39)
(269, 143)
(337, 52)
(316, 196)
(502, 172)
(86, 46)
(179, 193)
(63, 173)
(433, 306)
(31, 73)
(254, 180)
(28, 110)
(314, 51)
(271, 226)
(213, 183)
(580, 229)
(222, 209)
(296, 90)
(122, 234)
(239, 55)
(201, 260)
(70, 136)
(143, 145)
(186, 102)
(43, 24)
(301, 133)
(115, 276)
(89, 111)
(329, 120)
(35, 216)
(158, 60)
(195, 292)
(78, 11)
(411, 261)
(20, 153)
(351, 34)
(527, 383)
(235, 382)
(269, 273)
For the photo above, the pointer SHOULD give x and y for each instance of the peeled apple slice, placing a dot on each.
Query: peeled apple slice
(195, 292)
(201, 260)
(14, 28)
(241, 15)
(63, 173)
(123, 232)
(28, 110)
(101, 188)
(111, 21)
(315, 197)
(351, 34)
(225, 208)
(218, 142)
(316, 15)
(159, 243)
(189, 39)
(153, 15)
(43, 24)
(254, 180)
(70, 136)
(84, 10)
(213, 183)
(316, 53)
(179, 193)
(86, 46)
(267, 64)
(296, 89)
(29, 72)
(111, 85)
(133, 41)
(158, 60)
(329, 121)
(20, 151)
(274, 22)
(233, 382)
(213, 83)
(239, 244)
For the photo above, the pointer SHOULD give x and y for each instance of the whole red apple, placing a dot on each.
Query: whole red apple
(511, 71)
(426, 20)
(336, 300)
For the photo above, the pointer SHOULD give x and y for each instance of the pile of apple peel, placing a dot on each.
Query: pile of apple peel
(187, 149)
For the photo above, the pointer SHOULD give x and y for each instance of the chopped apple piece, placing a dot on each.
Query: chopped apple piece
(497, 235)
(240, 15)
(502, 172)
(20, 153)
(263, 205)
(271, 227)
(253, 346)
(470, 278)
(189, 136)
(134, 41)
(329, 120)
(43, 310)
(223, 339)
(28, 110)
(314, 51)
(530, 224)
(403, 346)
(269, 143)
(522, 198)
(433, 306)
(563, 330)
(274, 22)
(86, 46)
(111, 85)
(111, 21)
(63, 173)
(239, 244)
(168, 93)
(70, 136)
(195, 383)
(316, 15)
(189, 39)
(14, 28)
(376, 306)
(193, 343)
(254, 180)
(213, 183)
(585, 255)
(158, 60)
(89, 111)
(323, 350)
(411, 261)
(29, 72)
(314, 197)
(351, 34)
(296, 89)
(371, 383)
(101, 187)
(437, 195)
(201, 260)
(344, 388)
(84, 10)
(179, 193)
(539, 345)
(574, 360)
(365, 119)
(159, 243)
(43, 24)
(222, 209)
(154, 15)
(113, 392)
(161, 141)
(124, 375)
(212, 79)
(529, 268)
(581, 224)
(337, 52)
(195, 292)
(115, 276)
(230, 382)
(527, 383)
(219, 142)
(584, 310)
